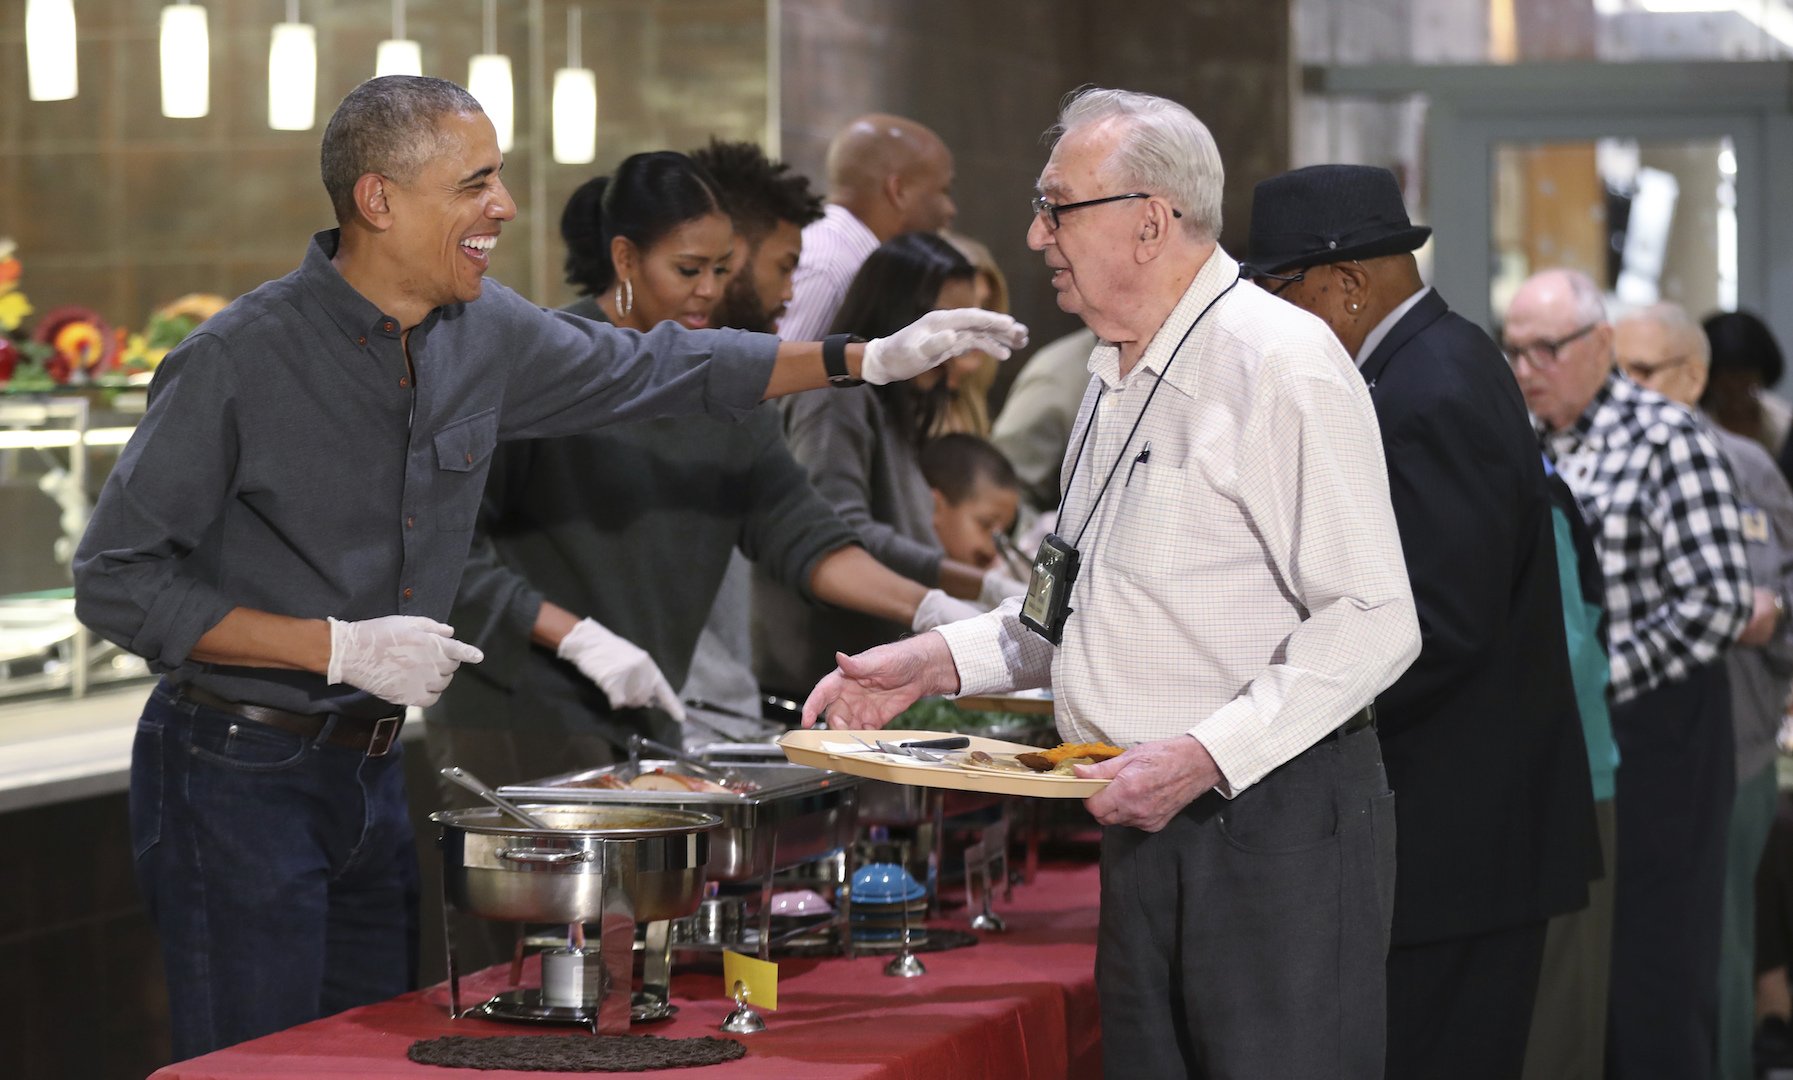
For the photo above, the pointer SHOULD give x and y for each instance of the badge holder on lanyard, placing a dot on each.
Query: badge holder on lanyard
(1047, 606)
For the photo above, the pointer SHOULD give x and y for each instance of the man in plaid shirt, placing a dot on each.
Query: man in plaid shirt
(1659, 498)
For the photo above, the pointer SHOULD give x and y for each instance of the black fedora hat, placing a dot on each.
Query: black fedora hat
(1326, 214)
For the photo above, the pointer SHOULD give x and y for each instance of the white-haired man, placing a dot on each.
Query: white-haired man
(1664, 350)
(1241, 599)
(1671, 545)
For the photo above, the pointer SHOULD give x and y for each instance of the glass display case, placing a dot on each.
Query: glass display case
(55, 451)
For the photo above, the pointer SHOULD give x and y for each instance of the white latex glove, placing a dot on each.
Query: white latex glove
(999, 586)
(938, 609)
(627, 675)
(937, 337)
(404, 659)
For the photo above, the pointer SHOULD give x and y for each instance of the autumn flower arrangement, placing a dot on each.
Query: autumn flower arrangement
(73, 346)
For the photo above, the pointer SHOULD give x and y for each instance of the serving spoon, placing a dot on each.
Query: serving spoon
(575, 931)
(483, 790)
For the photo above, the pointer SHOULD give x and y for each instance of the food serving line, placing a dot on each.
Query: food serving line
(662, 856)
(1018, 1004)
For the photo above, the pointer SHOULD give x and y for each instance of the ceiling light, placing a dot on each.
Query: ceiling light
(398, 55)
(292, 73)
(50, 49)
(575, 104)
(489, 81)
(186, 62)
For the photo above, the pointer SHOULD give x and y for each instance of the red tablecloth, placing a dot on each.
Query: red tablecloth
(1020, 1004)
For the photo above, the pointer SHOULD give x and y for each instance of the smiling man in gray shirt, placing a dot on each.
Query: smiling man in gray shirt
(289, 522)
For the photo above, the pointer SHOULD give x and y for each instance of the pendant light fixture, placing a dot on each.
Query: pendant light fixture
(575, 104)
(292, 73)
(489, 81)
(50, 49)
(398, 55)
(186, 62)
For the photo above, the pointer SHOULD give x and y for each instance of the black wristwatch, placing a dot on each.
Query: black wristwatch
(834, 359)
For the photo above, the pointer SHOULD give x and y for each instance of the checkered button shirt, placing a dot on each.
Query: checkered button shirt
(1660, 499)
(1241, 582)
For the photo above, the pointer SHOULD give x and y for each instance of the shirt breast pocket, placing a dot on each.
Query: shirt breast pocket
(1150, 532)
(1173, 525)
(463, 449)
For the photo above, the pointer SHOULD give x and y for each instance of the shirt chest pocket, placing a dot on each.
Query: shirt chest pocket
(1171, 525)
(1148, 533)
(463, 450)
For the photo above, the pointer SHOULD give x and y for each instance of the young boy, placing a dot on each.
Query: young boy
(976, 496)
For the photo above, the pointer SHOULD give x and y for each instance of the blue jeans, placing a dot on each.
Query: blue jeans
(280, 873)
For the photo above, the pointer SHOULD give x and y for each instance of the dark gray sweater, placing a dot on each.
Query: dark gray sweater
(870, 474)
(632, 526)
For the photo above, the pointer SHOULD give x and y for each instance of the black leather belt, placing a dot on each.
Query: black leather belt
(372, 737)
(1363, 718)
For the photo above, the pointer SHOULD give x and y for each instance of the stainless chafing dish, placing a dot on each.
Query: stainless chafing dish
(495, 868)
(794, 815)
(591, 864)
(797, 813)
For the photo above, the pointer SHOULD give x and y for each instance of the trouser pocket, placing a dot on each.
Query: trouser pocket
(148, 782)
(1382, 836)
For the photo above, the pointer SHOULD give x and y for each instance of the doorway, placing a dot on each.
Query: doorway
(1655, 178)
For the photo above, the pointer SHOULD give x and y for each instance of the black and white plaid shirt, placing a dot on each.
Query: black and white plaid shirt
(1659, 498)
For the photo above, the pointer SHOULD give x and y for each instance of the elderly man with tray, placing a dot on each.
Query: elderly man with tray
(1224, 598)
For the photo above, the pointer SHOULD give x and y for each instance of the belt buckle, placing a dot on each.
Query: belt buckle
(385, 731)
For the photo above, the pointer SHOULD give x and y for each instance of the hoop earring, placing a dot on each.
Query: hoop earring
(625, 298)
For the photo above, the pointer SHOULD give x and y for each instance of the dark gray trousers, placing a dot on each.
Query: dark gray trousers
(1677, 776)
(1247, 939)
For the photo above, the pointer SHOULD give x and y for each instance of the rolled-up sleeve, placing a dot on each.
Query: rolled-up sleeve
(166, 493)
(836, 435)
(788, 528)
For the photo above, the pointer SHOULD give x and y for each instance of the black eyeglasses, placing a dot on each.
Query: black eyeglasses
(1543, 354)
(1052, 210)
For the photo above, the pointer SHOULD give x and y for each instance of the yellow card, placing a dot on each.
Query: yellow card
(761, 977)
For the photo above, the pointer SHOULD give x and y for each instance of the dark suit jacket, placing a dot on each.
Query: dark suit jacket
(1493, 804)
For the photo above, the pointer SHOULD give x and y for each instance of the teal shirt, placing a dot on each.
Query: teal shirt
(1587, 664)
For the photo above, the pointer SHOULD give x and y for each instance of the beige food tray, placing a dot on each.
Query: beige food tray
(827, 749)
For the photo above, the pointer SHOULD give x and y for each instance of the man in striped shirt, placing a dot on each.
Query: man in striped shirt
(886, 176)
(1670, 538)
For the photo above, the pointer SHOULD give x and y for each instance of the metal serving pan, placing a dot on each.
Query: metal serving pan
(797, 813)
(498, 869)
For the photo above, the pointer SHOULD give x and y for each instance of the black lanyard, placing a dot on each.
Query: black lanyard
(1122, 456)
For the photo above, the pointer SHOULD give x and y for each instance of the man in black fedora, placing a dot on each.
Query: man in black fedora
(1481, 737)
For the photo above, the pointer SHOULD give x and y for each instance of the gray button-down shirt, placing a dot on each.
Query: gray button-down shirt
(290, 462)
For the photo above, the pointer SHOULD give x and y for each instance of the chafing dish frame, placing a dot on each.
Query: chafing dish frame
(797, 815)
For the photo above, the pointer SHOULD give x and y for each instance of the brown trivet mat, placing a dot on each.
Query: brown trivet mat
(573, 1053)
